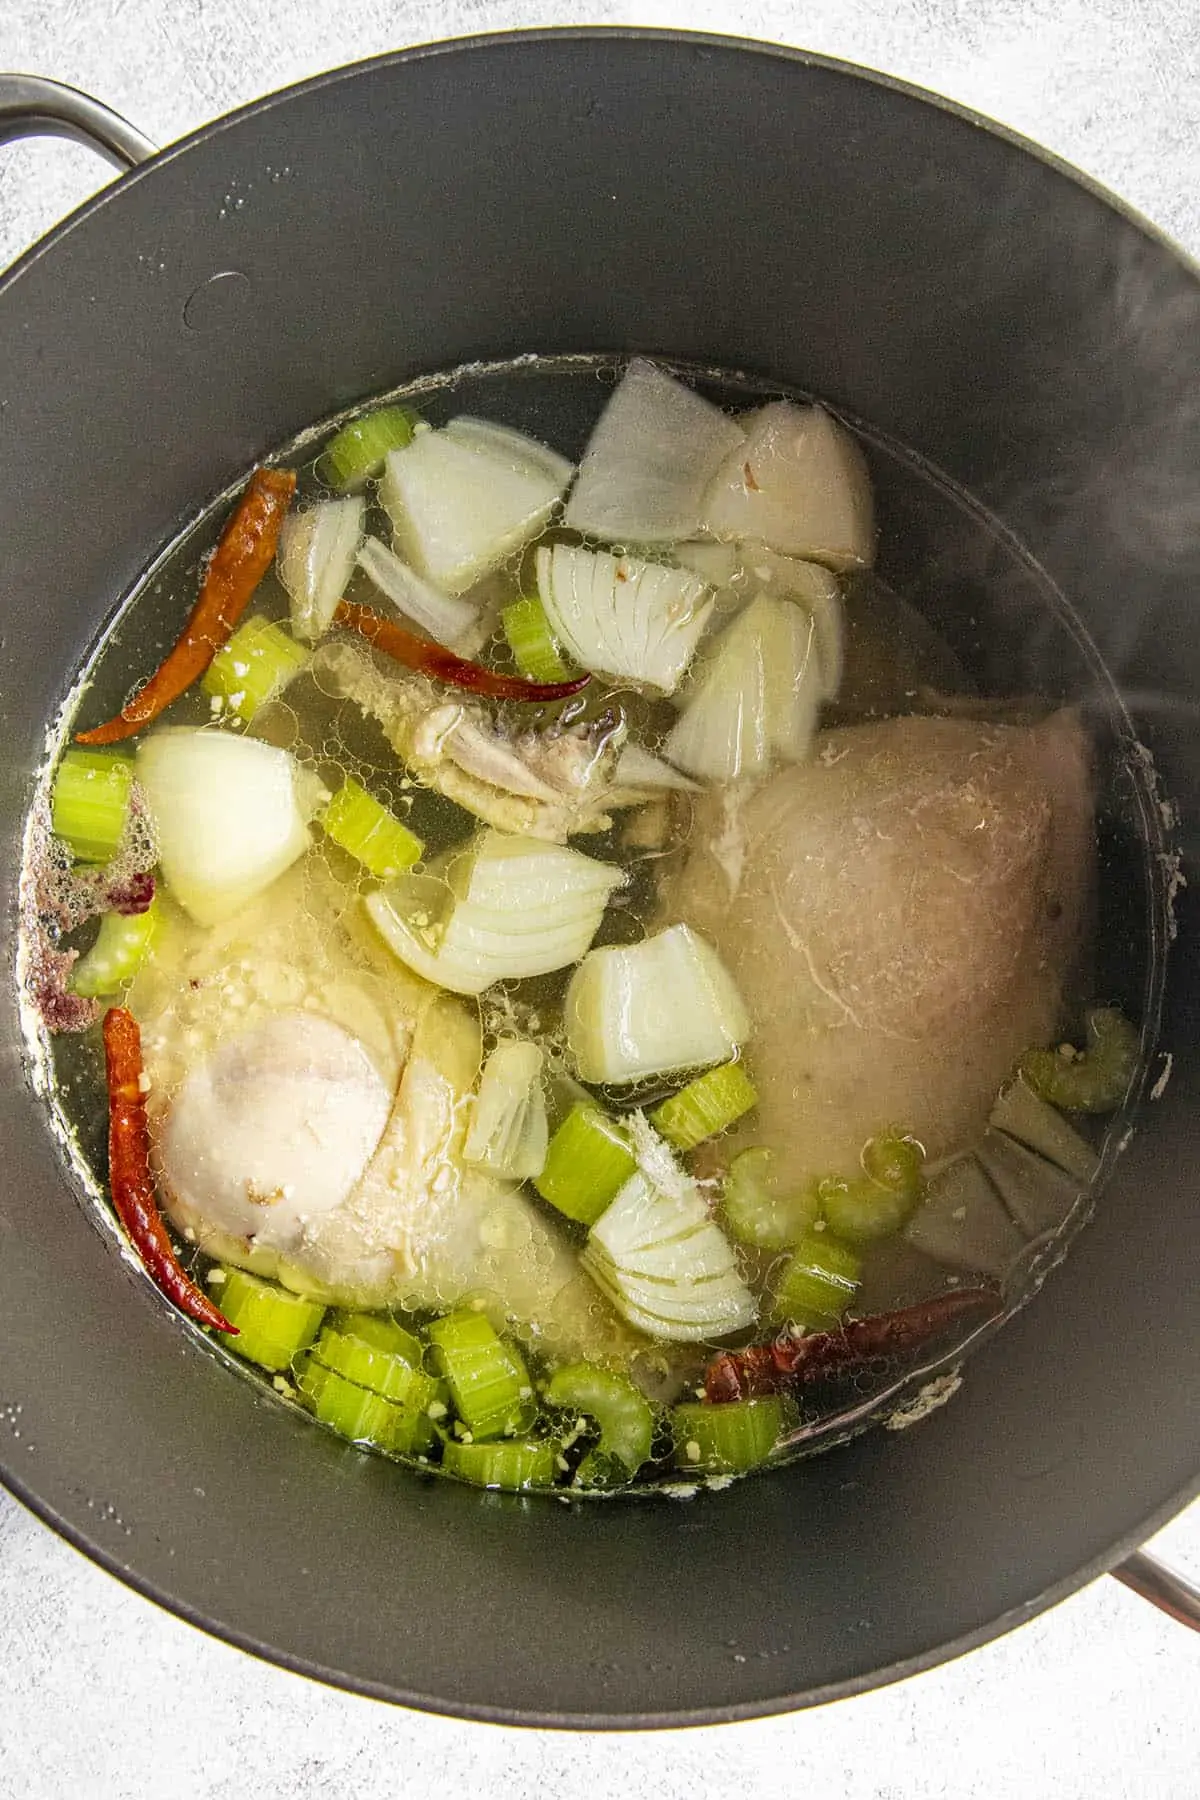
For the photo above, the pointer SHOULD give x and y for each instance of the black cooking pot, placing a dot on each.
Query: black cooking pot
(732, 205)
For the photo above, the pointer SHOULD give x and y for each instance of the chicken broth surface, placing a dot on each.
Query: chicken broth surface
(620, 1088)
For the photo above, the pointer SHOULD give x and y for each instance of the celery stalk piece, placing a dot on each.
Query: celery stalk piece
(274, 1325)
(963, 1222)
(817, 1284)
(588, 1161)
(121, 947)
(882, 1199)
(727, 1439)
(508, 1132)
(1023, 1114)
(755, 1212)
(368, 831)
(1038, 1196)
(364, 1417)
(1094, 1080)
(653, 1008)
(490, 1384)
(511, 1466)
(253, 668)
(356, 452)
(382, 1371)
(622, 1413)
(708, 1105)
(382, 1332)
(532, 642)
(89, 802)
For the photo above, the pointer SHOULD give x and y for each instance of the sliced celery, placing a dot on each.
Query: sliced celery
(881, 1200)
(706, 1106)
(519, 1463)
(253, 667)
(357, 451)
(274, 1325)
(532, 642)
(619, 1409)
(1094, 1080)
(587, 1164)
(121, 947)
(89, 802)
(490, 1384)
(382, 1371)
(817, 1284)
(382, 1332)
(366, 1418)
(727, 1439)
(1024, 1115)
(357, 822)
(754, 1211)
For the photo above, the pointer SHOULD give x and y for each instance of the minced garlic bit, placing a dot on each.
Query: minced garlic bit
(692, 1450)
(216, 1277)
(143, 1083)
(436, 1409)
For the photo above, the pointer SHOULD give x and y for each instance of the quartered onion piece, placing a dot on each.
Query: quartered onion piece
(649, 459)
(799, 483)
(620, 616)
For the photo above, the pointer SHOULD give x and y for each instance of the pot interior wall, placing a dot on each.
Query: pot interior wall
(728, 206)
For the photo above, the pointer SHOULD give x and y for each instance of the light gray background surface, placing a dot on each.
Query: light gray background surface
(101, 1695)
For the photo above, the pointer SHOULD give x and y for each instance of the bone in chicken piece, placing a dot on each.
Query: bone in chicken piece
(309, 1101)
(422, 1230)
(901, 915)
(270, 1133)
(550, 781)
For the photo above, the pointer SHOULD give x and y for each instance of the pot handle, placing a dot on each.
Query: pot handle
(1170, 1592)
(31, 106)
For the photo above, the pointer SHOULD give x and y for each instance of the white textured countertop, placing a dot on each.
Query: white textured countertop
(102, 1695)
